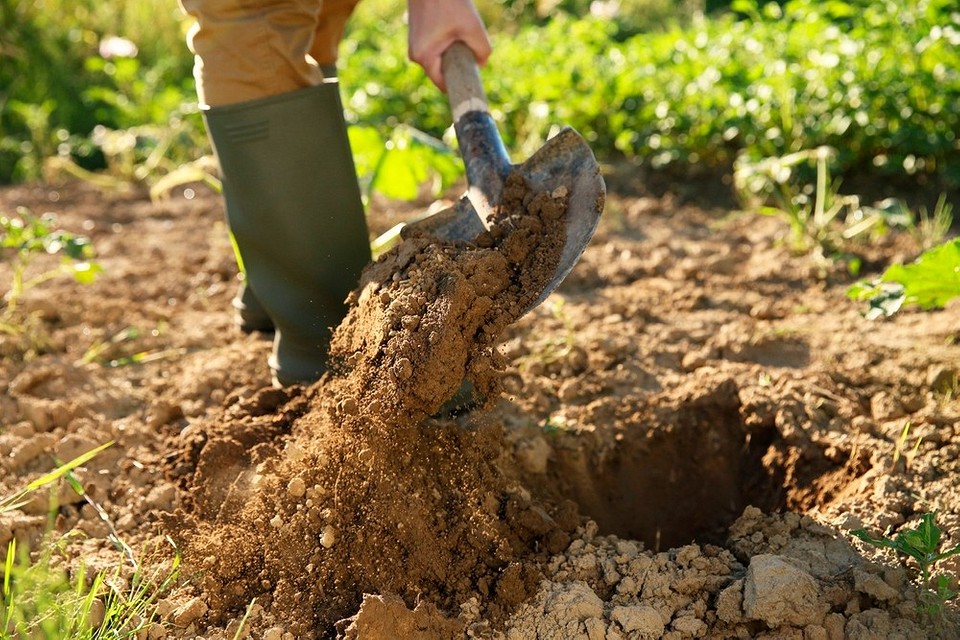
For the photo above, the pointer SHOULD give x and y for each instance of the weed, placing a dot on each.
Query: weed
(929, 283)
(946, 386)
(556, 423)
(18, 499)
(560, 346)
(41, 601)
(921, 544)
(239, 633)
(928, 229)
(901, 453)
(100, 348)
(821, 219)
(25, 237)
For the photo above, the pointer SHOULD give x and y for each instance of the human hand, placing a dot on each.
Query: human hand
(436, 24)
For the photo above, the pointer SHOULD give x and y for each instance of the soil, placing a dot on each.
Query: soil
(676, 444)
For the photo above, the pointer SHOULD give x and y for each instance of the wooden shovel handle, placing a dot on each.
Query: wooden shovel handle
(464, 88)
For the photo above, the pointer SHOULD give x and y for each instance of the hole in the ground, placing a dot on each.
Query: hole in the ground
(688, 474)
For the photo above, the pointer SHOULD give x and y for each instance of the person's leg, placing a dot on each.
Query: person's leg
(293, 203)
(250, 49)
(330, 27)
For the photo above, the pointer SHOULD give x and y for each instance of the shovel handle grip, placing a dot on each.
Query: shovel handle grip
(481, 147)
(464, 88)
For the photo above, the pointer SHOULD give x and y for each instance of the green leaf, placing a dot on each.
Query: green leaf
(877, 542)
(397, 177)
(884, 298)
(67, 467)
(85, 272)
(931, 281)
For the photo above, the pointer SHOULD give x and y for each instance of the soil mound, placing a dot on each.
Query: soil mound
(363, 494)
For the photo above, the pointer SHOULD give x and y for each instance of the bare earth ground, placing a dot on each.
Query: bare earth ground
(686, 433)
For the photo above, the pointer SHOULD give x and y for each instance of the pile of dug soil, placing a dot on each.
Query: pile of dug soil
(363, 493)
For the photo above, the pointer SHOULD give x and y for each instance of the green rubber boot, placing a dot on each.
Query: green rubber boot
(250, 315)
(294, 209)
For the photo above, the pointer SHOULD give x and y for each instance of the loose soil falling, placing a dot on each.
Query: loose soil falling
(417, 508)
(676, 444)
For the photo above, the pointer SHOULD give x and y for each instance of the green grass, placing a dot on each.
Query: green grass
(42, 600)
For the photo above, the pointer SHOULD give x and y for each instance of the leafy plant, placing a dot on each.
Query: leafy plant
(26, 236)
(881, 84)
(922, 544)
(929, 283)
(642, 79)
(407, 164)
(821, 219)
(61, 78)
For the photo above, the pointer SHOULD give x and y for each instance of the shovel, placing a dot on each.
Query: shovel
(563, 161)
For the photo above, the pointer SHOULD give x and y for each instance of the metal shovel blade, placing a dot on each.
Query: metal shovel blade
(565, 160)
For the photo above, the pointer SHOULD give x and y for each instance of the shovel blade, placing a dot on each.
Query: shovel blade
(563, 161)
(567, 161)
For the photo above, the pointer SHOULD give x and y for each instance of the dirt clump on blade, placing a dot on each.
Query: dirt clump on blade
(427, 313)
(308, 502)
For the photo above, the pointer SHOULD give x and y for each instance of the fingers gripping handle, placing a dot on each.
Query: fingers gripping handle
(464, 88)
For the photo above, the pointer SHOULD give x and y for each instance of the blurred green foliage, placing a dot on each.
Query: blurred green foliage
(650, 80)
(63, 87)
(878, 80)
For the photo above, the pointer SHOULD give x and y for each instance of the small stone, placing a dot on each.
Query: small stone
(328, 537)
(403, 369)
(162, 497)
(730, 602)
(596, 629)
(873, 586)
(690, 627)
(884, 406)
(189, 612)
(834, 623)
(534, 454)
(693, 360)
(575, 600)
(628, 549)
(779, 593)
(815, 632)
(296, 488)
(96, 613)
(643, 620)
(348, 407)
(273, 633)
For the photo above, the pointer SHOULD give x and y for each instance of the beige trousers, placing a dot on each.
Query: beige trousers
(250, 49)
